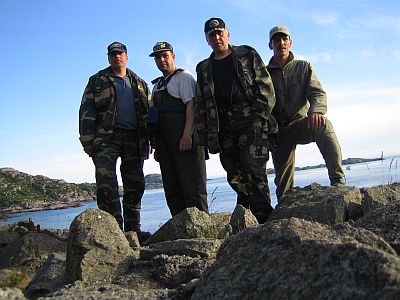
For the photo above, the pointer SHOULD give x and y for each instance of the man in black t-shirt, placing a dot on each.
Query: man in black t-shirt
(234, 100)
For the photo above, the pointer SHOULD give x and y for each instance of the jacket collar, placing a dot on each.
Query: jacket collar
(273, 64)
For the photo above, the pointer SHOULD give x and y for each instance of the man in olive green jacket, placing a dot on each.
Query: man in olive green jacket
(234, 100)
(112, 124)
(299, 110)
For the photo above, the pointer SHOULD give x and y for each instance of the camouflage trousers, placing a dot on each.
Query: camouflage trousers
(298, 133)
(123, 144)
(244, 156)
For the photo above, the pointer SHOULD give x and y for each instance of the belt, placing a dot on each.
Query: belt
(125, 130)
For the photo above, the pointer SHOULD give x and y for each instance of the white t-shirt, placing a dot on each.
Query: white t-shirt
(182, 85)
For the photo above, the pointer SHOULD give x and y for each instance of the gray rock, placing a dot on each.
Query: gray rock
(105, 290)
(11, 294)
(173, 271)
(190, 223)
(323, 204)
(242, 218)
(7, 237)
(298, 259)
(225, 232)
(385, 222)
(49, 278)
(97, 248)
(21, 230)
(380, 195)
(200, 247)
(184, 291)
(30, 251)
(133, 239)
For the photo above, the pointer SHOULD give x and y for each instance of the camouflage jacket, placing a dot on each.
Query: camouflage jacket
(99, 105)
(298, 90)
(254, 80)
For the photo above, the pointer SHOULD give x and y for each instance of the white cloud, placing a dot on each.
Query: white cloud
(380, 22)
(365, 118)
(324, 17)
(323, 57)
(368, 53)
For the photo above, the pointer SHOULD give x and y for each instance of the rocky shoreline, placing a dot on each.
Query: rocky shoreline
(152, 181)
(320, 242)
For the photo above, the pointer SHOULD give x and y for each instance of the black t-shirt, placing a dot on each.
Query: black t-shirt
(223, 75)
(226, 85)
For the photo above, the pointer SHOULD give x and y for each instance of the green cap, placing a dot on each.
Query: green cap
(278, 29)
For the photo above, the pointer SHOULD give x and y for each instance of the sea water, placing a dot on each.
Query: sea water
(221, 198)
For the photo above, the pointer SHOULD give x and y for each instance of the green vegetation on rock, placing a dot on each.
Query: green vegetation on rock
(17, 187)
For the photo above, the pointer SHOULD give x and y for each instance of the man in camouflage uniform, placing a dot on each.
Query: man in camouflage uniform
(234, 101)
(300, 106)
(112, 119)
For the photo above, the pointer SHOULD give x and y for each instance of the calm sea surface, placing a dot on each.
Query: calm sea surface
(221, 198)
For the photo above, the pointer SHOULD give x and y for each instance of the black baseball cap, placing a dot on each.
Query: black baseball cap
(161, 46)
(213, 24)
(116, 46)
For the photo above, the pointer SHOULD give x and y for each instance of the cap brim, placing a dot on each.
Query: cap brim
(154, 53)
(115, 50)
(215, 29)
(275, 33)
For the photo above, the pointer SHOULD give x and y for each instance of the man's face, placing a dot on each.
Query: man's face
(117, 59)
(281, 44)
(165, 61)
(219, 40)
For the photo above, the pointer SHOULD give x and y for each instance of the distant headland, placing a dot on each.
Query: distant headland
(20, 192)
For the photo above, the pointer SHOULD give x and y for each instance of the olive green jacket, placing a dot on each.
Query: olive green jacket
(99, 105)
(254, 80)
(297, 89)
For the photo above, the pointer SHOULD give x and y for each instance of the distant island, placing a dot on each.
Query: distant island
(23, 192)
(348, 161)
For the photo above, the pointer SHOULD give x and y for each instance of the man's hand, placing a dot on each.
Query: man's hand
(185, 143)
(88, 150)
(315, 121)
(272, 146)
(155, 156)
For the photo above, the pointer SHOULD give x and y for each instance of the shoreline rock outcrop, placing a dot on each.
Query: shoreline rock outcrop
(320, 242)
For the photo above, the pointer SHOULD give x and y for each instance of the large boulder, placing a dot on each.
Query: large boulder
(49, 278)
(30, 251)
(188, 224)
(242, 218)
(385, 222)
(323, 204)
(377, 196)
(97, 248)
(298, 259)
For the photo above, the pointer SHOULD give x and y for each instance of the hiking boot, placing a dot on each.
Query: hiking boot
(340, 181)
(143, 236)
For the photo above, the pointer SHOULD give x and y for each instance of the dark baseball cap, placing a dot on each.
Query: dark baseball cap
(116, 46)
(161, 46)
(213, 24)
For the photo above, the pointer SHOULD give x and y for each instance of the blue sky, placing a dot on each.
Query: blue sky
(49, 49)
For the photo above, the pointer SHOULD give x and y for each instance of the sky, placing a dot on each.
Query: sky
(49, 49)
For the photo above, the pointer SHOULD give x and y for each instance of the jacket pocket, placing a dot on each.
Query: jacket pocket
(101, 98)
